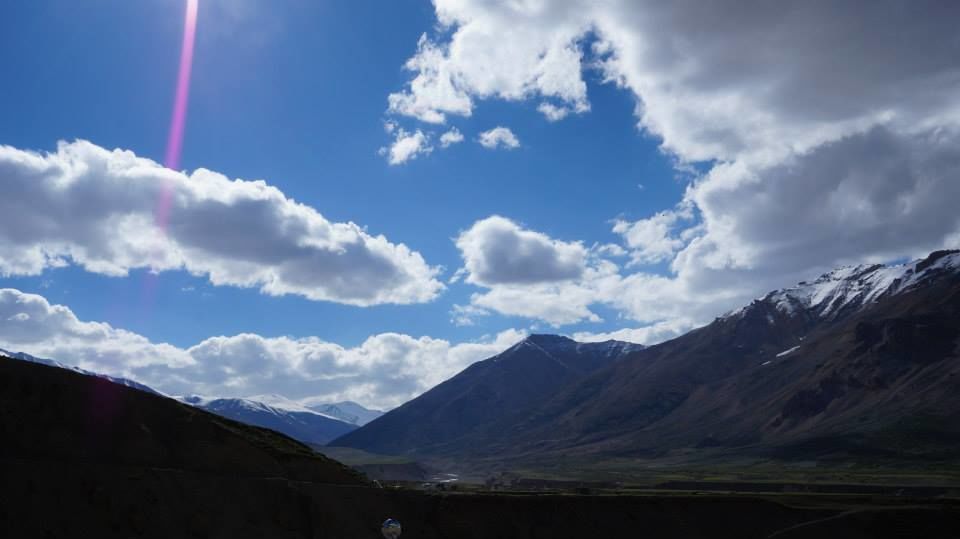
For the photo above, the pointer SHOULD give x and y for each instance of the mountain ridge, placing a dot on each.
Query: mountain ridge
(798, 364)
(484, 393)
(298, 422)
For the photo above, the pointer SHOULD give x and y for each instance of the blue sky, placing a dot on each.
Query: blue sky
(301, 104)
(692, 172)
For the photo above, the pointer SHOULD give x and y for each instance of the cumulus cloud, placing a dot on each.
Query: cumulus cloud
(499, 137)
(649, 335)
(815, 151)
(556, 113)
(28, 322)
(406, 145)
(111, 211)
(527, 273)
(556, 304)
(714, 82)
(485, 59)
(653, 239)
(384, 371)
(432, 93)
(497, 250)
(451, 137)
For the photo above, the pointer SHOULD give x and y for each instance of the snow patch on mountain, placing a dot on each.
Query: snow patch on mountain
(348, 411)
(855, 287)
(788, 351)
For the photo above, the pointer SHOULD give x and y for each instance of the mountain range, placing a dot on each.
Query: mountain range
(298, 422)
(315, 425)
(861, 362)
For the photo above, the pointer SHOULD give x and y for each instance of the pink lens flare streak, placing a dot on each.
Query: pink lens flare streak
(161, 214)
(179, 118)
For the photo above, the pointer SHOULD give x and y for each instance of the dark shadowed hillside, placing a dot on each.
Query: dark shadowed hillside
(484, 394)
(86, 457)
(52, 414)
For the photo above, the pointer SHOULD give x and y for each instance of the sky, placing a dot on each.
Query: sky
(371, 196)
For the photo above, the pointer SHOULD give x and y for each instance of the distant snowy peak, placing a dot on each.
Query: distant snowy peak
(270, 404)
(348, 411)
(281, 402)
(277, 413)
(854, 287)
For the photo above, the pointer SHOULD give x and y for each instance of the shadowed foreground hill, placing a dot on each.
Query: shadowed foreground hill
(84, 457)
(58, 415)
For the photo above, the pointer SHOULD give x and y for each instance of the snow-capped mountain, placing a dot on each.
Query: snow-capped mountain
(848, 289)
(348, 411)
(52, 363)
(845, 364)
(277, 413)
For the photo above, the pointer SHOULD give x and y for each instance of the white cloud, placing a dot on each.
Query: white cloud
(451, 137)
(818, 152)
(464, 315)
(433, 93)
(406, 145)
(556, 113)
(716, 82)
(648, 335)
(527, 273)
(111, 212)
(556, 304)
(654, 239)
(497, 250)
(29, 323)
(384, 371)
(499, 137)
(485, 58)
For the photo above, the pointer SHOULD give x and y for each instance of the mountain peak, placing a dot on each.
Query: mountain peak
(549, 339)
(853, 287)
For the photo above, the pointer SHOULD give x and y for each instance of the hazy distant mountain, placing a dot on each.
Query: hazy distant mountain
(348, 411)
(485, 394)
(277, 413)
(864, 360)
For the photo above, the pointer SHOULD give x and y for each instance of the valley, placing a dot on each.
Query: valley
(824, 410)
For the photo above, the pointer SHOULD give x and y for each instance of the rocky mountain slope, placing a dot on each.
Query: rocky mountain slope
(484, 395)
(863, 361)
